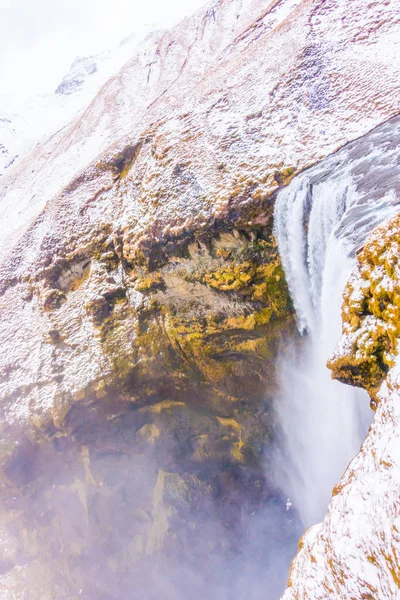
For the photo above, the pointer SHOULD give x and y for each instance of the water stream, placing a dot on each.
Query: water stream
(321, 219)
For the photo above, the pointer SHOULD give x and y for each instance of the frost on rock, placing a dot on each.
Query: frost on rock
(243, 95)
(80, 69)
(25, 123)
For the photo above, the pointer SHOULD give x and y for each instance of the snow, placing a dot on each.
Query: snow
(232, 95)
(171, 74)
(321, 218)
(355, 551)
(25, 123)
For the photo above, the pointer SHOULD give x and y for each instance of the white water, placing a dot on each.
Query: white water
(321, 218)
(323, 422)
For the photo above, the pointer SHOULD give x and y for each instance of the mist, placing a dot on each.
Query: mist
(113, 516)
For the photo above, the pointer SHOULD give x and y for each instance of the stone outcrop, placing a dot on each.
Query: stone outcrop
(142, 305)
(371, 314)
(152, 401)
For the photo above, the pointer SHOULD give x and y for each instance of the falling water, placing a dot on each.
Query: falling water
(321, 219)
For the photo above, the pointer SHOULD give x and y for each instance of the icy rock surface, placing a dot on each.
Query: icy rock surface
(27, 122)
(81, 68)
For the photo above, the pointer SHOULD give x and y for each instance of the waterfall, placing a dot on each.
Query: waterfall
(321, 219)
(322, 420)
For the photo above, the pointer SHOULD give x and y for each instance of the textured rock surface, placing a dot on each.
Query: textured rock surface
(142, 305)
(236, 94)
(152, 395)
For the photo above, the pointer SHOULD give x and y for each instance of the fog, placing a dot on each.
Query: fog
(39, 40)
(113, 519)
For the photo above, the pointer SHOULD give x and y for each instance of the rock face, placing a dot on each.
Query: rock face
(237, 93)
(81, 68)
(143, 304)
(155, 421)
(371, 314)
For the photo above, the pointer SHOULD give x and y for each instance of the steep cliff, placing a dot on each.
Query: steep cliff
(143, 304)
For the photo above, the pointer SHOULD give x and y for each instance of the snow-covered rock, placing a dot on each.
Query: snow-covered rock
(240, 84)
(27, 122)
(125, 244)
(81, 68)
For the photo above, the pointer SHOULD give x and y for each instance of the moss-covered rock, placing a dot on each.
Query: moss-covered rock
(166, 433)
(371, 312)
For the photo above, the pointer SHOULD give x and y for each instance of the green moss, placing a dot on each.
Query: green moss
(231, 278)
(253, 270)
(173, 338)
(285, 175)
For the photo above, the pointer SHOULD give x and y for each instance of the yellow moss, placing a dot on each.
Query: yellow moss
(258, 282)
(231, 277)
(262, 317)
(162, 406)
(287, 174)
(208, 344)
(214, 371)
(240, 322)
(371, 312)
(149, 282)
(236, 452)
(229, 422)
(256, 345)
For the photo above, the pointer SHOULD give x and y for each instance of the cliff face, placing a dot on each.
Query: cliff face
(237, 93)
(143, 305)
(139, 427)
